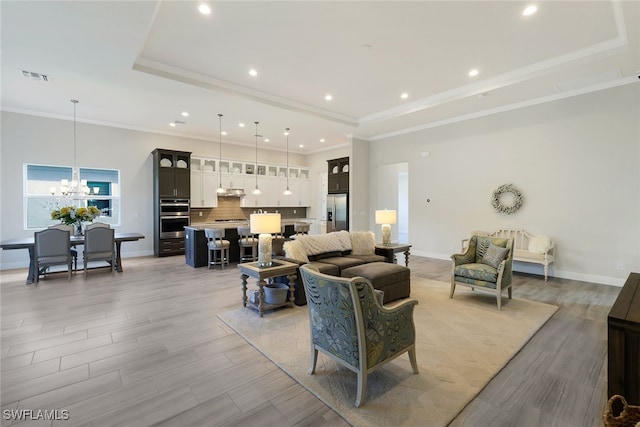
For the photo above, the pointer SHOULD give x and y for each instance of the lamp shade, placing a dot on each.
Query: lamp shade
(265, 223)
(386, 217)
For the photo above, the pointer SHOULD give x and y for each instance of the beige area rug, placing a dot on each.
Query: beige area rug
(461, 344)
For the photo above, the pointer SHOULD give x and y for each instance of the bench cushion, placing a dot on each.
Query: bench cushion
(476, 271)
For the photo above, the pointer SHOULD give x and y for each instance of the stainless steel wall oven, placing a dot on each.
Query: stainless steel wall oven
(174, 216)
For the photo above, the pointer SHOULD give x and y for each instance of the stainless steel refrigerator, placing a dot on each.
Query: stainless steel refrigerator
(337, 212)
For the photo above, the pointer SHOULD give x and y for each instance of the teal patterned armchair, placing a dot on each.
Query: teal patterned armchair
(349, 325)
(486, 264)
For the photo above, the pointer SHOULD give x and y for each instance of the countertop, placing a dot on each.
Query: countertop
(235, 224)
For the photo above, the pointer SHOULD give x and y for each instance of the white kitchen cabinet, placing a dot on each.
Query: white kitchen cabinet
(203, 185)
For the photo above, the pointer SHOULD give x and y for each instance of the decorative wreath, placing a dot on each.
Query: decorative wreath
(517, 199)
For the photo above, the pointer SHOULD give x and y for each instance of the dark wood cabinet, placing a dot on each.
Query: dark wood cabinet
(171, 180)
(624, 342)
(173, 175)
(338, 175)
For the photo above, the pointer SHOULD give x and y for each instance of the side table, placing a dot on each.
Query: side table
(389, 251)
(277, 269)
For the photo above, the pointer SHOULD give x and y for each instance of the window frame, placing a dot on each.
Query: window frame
(115, 198)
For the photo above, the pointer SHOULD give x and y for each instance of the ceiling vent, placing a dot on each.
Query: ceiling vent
(35, 76)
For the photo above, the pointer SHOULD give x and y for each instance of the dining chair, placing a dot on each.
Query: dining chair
(52, 247)
(99, 246)
(96, 224)
(74, 252)
(217, 247)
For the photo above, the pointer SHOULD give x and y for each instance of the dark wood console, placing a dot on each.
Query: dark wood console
(624, 342)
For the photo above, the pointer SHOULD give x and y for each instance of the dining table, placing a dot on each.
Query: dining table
(29, 244)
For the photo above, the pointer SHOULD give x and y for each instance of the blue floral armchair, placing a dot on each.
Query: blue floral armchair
(486, 264)
(349, 325)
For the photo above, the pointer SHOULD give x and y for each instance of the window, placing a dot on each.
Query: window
(40, 180)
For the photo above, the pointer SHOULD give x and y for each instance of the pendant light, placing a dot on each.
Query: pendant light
(256, 191)
(76, 189)
(220, 190)
(287, 192)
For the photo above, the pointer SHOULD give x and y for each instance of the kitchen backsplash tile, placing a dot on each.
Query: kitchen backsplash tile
(229, 208)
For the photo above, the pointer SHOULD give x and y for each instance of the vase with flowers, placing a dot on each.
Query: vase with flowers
(75, 216)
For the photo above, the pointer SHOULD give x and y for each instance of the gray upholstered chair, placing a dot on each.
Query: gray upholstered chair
(52, 247)
(99, 246)
(247, 241)
(486, 264)
(74, 253)
(349, 325)
(217, 247)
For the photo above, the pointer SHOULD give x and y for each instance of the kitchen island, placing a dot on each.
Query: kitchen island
(196, 242)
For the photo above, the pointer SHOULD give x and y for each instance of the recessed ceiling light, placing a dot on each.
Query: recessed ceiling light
(328, 97)
(530, 10)
(253, 72)
(241, 125)
(474, 72)
(286, 133)
(321, 139)
(266, 140)
(172, 124)
(301, 146)
(185, 114)
(404, 95)
(204, 9)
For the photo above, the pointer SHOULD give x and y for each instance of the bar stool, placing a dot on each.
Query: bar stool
(218, 248)
(247, 241)
(300, 228)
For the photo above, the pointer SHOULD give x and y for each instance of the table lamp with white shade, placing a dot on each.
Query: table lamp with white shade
(263, 224)
(386, 218)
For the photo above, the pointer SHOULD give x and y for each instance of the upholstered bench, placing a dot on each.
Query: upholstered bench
(393, 279)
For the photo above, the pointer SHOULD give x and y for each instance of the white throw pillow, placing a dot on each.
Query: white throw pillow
(345, 239)
(315, 244)
(363, 243)
(539, 244)
(293, 249)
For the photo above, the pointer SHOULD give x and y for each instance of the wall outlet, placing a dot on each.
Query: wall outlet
(199, 213)
(619, 266)
(294, 211)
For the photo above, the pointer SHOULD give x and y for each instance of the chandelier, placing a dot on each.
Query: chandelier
(75, 189)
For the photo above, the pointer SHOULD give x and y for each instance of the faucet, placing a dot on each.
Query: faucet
(259, 210)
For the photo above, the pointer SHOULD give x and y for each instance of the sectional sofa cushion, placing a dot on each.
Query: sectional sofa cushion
(342, 262)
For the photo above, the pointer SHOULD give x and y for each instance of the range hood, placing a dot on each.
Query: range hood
(233, 192)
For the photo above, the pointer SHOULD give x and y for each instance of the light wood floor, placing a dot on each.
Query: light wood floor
(145, 347)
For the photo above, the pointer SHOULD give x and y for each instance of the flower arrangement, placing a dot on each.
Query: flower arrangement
(71, 215)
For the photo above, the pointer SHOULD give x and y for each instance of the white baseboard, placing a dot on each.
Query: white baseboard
(530, 268)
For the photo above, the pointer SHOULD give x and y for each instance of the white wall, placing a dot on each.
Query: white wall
(576, 162)
(33, 139)
(359, 211)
